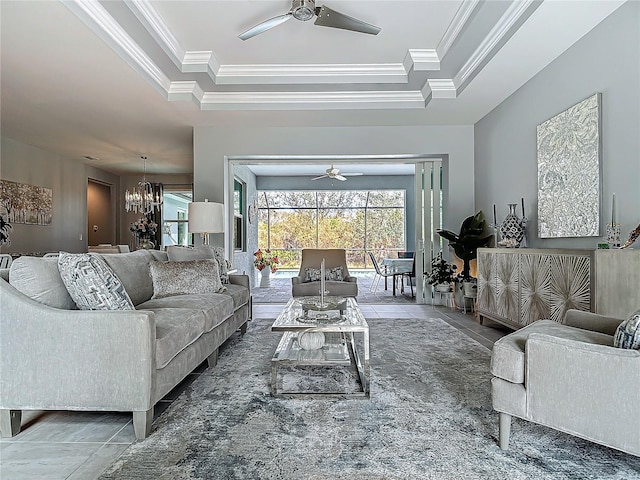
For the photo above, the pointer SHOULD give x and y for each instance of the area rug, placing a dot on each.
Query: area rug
(429, 417)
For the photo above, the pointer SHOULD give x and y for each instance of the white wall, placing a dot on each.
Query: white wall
(606, 60)
(68, 180)
(212, 144)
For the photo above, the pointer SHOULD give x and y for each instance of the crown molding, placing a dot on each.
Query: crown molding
(104, 25)
(484, 51)
(187, 91)
(440, 88)
(311, 74)
(456, 26)
(310, 100)
(421, 60)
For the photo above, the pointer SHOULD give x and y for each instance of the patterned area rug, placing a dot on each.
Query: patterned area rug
(429, 416)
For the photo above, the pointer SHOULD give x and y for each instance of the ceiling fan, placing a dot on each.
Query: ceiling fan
(334, 173)
(305, 10)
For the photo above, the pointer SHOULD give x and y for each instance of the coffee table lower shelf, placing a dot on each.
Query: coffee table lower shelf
(339, 349)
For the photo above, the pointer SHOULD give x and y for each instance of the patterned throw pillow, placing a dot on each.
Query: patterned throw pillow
(332, 274)
(628, 333)
(91, 283)
(223, 264)
(185, 278)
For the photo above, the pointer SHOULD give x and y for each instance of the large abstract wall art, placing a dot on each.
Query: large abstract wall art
(569, 147)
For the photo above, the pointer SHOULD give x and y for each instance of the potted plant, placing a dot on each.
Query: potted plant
(465, 244)
(266, 263)
(442, 274)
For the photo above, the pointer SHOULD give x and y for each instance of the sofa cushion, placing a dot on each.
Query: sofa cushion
(508, 358)
(178, 253)
(239, 294)
(133, 271)
(216, 307)
(39, 279)
(91, 283)
(176, 329)
(628, 332)
(183, 278)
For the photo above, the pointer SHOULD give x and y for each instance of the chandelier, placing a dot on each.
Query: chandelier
(142, 199)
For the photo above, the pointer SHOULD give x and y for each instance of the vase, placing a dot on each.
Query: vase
(265, 277)
(512, 229)
(146, 244)
(443, 287)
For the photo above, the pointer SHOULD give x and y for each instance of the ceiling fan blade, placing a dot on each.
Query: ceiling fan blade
(264, 26)
(331, 18)
(321, 176)
(339, 177)
(352, 174)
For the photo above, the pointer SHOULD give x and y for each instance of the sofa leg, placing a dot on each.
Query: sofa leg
(142, 423)
(212, 360)
(10, 421)
(505, 431)
(243, 328)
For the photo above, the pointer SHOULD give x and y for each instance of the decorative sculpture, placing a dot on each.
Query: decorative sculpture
(512, 228)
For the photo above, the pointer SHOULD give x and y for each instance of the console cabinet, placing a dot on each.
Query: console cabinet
(519, 286)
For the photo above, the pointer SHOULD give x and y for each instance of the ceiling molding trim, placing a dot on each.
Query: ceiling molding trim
(187, 91)
(186, 61)
(104, 25)
(456, 26)
(442, 88)
(310, 100)
(421, 60)
(311, 74)
(493, 39)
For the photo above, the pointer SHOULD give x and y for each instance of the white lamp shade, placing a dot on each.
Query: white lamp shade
(206, 217)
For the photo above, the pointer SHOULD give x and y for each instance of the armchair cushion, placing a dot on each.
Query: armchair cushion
(508, 358)
(628, 333)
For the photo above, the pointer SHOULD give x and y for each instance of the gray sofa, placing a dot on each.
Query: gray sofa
(60, 358)
(569, 377)
(334, 258)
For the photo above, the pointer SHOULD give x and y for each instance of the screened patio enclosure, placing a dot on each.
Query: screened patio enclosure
(359, 221)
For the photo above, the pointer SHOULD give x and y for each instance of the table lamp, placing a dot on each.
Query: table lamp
(205, 218)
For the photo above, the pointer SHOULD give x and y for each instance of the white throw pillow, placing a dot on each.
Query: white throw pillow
(91, 283)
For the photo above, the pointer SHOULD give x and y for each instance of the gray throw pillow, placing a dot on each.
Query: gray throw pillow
(185, 278)
(39, 279)
(91, 283)
(332, 274)
(178, 253)
(628, 333)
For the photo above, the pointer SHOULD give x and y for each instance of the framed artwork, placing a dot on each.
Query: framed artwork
(22, 203)
(569, 152)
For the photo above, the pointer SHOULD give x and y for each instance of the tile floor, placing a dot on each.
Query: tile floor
(81, 445)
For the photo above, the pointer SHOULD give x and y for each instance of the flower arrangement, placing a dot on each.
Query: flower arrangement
(144, 228)
(264, 259)
(442, 272)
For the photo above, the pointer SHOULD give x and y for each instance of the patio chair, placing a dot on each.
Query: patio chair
(380, 274)
(410, 276)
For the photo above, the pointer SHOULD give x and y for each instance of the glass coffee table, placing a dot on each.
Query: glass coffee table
(333, 333)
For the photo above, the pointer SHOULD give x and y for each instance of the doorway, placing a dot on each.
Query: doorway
(100, 218)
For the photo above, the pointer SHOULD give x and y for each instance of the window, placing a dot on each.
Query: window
(239, 218)
(358, 221)
(175, 229)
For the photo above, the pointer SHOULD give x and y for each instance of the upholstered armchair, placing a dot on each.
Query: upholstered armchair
(307, 282)
(571, 378)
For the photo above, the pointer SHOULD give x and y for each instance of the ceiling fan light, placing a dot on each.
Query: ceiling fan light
(303, 9)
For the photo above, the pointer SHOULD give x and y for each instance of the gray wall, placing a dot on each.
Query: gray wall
(68, 180)
(606, 60)
(243, 261)
(212, 145)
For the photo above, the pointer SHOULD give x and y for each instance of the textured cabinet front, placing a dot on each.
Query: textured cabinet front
(519, 286)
